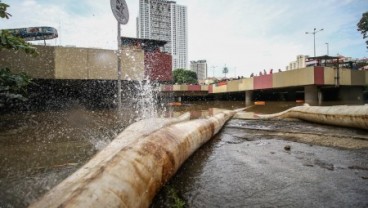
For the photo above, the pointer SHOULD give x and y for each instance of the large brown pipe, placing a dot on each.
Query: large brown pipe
(347, 116)
(130, 174)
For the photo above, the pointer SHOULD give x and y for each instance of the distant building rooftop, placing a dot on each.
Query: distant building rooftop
(323, 57)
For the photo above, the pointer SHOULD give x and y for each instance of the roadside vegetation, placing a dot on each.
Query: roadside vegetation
(170, 198)
(363, 26)
(13, 87)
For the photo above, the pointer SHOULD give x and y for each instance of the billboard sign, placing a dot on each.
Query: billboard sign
(35, 33)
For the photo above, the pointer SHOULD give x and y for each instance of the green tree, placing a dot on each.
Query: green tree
(3, 13)
(9, 41)
(225, 70)
(182, 76)
(12, 86)
(363, 26)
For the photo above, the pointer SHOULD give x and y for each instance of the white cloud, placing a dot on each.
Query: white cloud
(248, 35)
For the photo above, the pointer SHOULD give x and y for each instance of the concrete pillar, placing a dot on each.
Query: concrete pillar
(248, 98)
(320, 97)
(312, 95)
(352, 95)
(179, 99)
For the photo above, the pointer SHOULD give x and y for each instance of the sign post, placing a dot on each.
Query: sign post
(120, 10)
(119, 66)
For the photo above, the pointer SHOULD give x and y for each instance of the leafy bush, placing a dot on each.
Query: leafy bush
(10, 42)
(182, 76)
(12, 87)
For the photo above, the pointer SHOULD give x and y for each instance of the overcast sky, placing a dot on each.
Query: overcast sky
(246, 35)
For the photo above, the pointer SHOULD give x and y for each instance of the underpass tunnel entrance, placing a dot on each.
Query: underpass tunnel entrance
(290, 94)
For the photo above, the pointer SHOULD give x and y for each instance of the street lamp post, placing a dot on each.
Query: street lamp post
(213, 71)
(328, 50)
(314, 38)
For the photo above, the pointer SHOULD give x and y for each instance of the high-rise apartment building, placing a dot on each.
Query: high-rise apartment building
(298, 64)
(200, 68)
(165, 20)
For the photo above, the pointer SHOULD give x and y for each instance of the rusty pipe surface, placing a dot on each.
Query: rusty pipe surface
(346, 116)
(131, 174)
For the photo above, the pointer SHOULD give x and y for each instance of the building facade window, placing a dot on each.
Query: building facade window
(165, 20)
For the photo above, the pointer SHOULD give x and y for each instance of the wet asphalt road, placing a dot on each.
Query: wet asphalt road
(239, 168)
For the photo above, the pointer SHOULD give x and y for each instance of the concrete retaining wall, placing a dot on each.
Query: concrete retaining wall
(38, 67)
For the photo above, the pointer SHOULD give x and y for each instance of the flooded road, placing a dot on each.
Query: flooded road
(39, 149)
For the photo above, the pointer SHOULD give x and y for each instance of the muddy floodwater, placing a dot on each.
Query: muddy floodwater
(250, 163)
